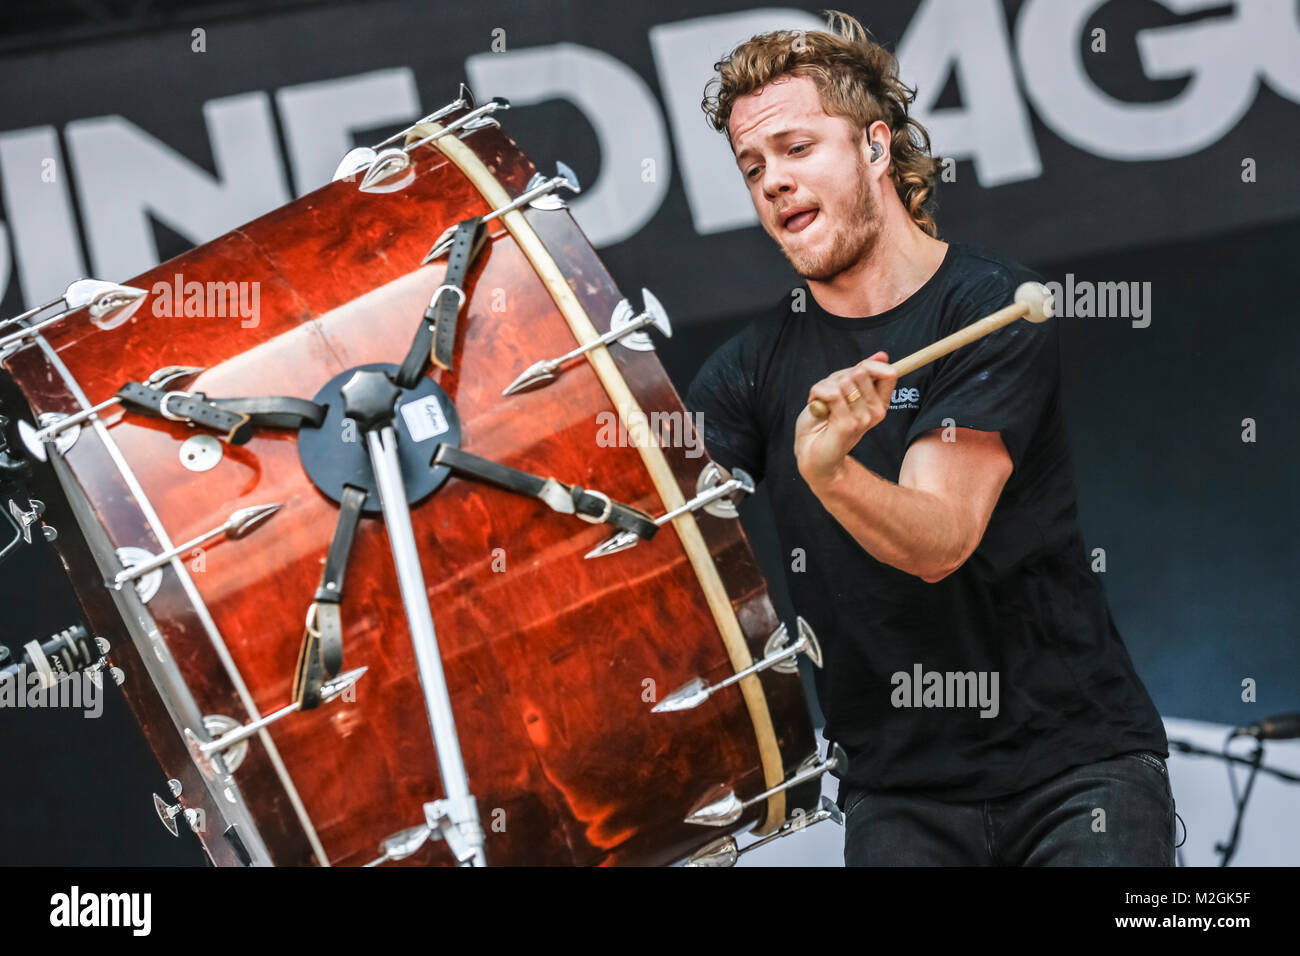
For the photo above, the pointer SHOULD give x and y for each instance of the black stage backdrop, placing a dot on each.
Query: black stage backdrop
(1135, 143)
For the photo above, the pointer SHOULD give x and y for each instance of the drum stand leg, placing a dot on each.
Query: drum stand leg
(455, 818)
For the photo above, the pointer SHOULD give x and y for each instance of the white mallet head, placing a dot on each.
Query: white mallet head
(1038, 298)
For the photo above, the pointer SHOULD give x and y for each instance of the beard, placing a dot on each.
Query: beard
(850, 245)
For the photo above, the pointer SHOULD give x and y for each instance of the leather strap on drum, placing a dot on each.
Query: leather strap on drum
(274, 411)
(321, 654)
(438, 327)
(236, 417)
(593, 506)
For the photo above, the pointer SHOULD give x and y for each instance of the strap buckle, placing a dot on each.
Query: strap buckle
(310, 625)
(604, 515)
(437, 294)
(168, 396)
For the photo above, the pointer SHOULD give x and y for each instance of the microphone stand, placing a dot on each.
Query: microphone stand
(1254, 762)
(1228, 849)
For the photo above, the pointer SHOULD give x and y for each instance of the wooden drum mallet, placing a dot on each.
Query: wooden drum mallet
(1033, 301)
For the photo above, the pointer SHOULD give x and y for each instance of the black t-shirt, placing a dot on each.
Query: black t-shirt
(1025, 605)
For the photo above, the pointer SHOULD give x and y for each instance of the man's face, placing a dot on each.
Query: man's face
(793, 155)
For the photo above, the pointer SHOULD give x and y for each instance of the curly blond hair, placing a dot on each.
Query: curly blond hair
(856, 78)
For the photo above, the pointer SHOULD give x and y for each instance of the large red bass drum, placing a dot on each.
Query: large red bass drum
(554, 659)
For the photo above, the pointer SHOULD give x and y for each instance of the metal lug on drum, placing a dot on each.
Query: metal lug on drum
(784, 659)
(630, 325)
(402, 844)
(66, 435)
(167, 813)
(106, 302)
(232, 754)
(353, 161)
(624, 328)
(55, 425)
(146, 585)
(739, 483)
(390, 172)
(362, 157)
(95, 670)
(711, 476)
(778, 654)
(538, 186)
(721, 807)
(719, 492)
(545, 188)
(236, 735)
(239, 523)
(725, 852)
(391, 169)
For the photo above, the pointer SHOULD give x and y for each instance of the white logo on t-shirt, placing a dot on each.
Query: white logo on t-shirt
(905, 398)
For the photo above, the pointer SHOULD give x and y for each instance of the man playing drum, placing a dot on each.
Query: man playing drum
(973, 672)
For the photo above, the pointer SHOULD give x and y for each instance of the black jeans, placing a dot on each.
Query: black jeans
(1115, 812)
